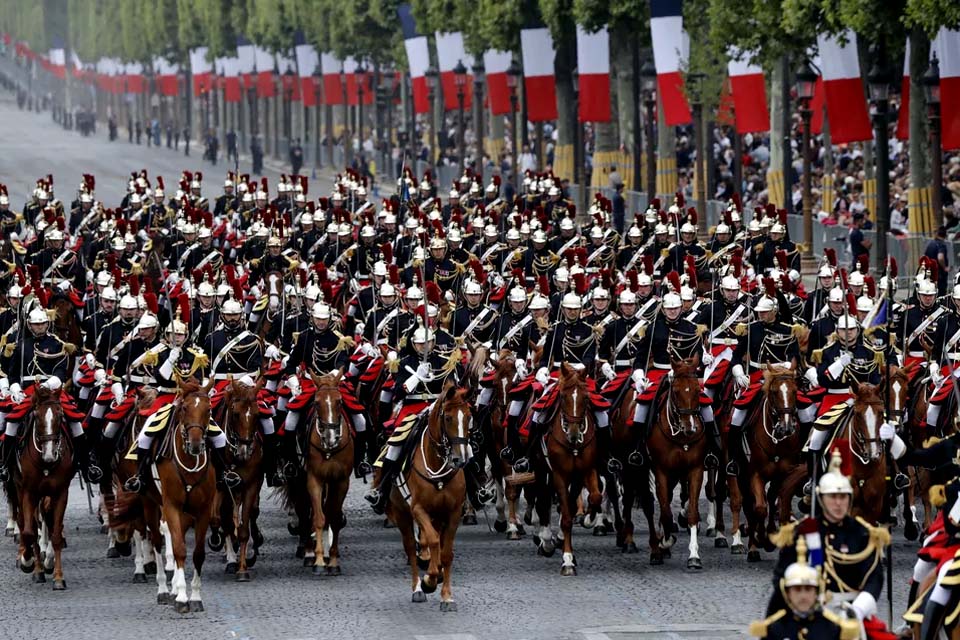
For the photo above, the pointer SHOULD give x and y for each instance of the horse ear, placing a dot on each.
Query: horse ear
(313, 378)
(855, 387)
(205, 389)
(449, 390)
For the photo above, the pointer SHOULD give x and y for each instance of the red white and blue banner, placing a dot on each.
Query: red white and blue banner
(201, 70)
(593, 65)
(308, 61)
(418, 59)
(496, 64)
(749, 94)
(843, 89)
(450, 51)
(536, 46)
(670, 51)
(947, 46)
(330, 67)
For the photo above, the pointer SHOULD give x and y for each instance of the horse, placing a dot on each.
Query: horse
(436, 490)
(42, 486)
(239, 509)
(329, 463)
(896, 394)
(868, 454)
(66, 324)
(677, 444)
(188, 487)
(775, 443)
(570, 456)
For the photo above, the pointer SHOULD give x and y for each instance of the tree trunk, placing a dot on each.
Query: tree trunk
(919, 133)
(666, 158)
(775, 178)
(564, 63)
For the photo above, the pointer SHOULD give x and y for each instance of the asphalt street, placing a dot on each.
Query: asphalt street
(503, 589)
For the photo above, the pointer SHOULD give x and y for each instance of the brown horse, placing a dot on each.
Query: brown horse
(896, 393)
(66, 324)
(188, 487)
(43, 485)
(677, 444)
(570, 447)
(867, 452)
(435, 491)
(775, 442)
(329, 465)
(239, 508)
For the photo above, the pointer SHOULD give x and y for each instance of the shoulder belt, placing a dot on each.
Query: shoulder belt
(59, 261)
(926, 323)
(389, 316)
(226, 348)
(726, 324)
(210, 256)
(637, 329)
(488, 252)
(476, 321)
(187, 251)
(515, 329)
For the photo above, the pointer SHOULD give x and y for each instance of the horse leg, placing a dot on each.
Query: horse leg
(500, 523)
(757, 520)
(664, 494)
(152, 515)
(695, 480)
(242, 531)
(736, 514)
(336, 494)
(315, 491)
(199, 555)
(139, 573)
(177, 538)
(773, 491)
(722, 494)
(569, 500)
(431, 539)
(45, 543)
(629, 545)
(169, 564)
(543, 501)
(29, 547)
(404, 522)
(595, 501)
(446, 562)
(514, 526)
(58, 508)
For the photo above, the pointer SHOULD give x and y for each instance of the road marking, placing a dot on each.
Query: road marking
(672, 631)
(447, 636)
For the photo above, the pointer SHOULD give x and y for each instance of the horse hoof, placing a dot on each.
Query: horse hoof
(667, 554)
(694, 563)
(546, 549)
(9, 532)
(500, 526)
(720, 543)
(737, 549)
(39, 577)
(165, 598)
(150, 568)
(711, 532)
(113, 553)
(334, 570)
(139, 578)
(675, 528)
(513, 535)
(910, 531)
(252, 560)
(231, 568)
(470, 519)
(293, 529)
(215, 541)
(528, 519)
(423, 564)
(318, 570)
(300, 551)
(243, 576)
(418, 596)
(124, 549)
(682, 521)
(447, 607)
(59, 585)
(656, 559)
(599, 531)
(183, 607)
(753, 556)
(568, 570)
(578, 519)
(427, 585)
(387, 524)
(769, 546)
(630, 547)
(309, 562)
(521, 530)
(196, 606)
(48, 570)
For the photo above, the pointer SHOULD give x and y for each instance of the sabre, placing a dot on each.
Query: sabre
(886, 361)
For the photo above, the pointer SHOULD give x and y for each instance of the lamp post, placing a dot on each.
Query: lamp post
(275, 111)
(878, 82)
(931, 89)
(431, 75)
(806, 81)
(460, 78)
(695, 87)
(361, 86)
(513, 79)
(579, 153)
(347, 138)
(288, 80)
(648, 79)
(479, 73)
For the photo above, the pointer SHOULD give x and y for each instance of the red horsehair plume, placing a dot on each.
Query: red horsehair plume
(891, 267)
(517, 275)
(727, 218)
(606, 279)
(543, 285)
(580, 282)
(692, 216)
(782, 213)
(770, 210)
(432, 292)
(117, 276)
(871, 286)
(851, 303)
(843, 279)
(21, 279)
(633, 280)
(673, 278)
(237, 291)
(111, 262)
(831, 255)
(679, 200)
(648, 265)
(303, 279)
(134, 282)
(770, 288)
(386, 249)
(151, 300)
(691, 272)
(655, 203)
(183, 307)
(737, 202)
(863, 264)
(393, 273)
(148, 286)
(197, 277)
(781, 257)
(786, 285)
(478, 273)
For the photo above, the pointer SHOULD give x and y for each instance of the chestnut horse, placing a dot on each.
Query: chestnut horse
(896, 393)
(42, 486)
(634, 478)
(329, 461)
(188, 487)
(570, 454)
(775, 442)
(435, 491)
(868, 453)
(239, 508)
(677, 444)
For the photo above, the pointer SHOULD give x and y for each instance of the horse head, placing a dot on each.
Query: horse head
(454, 420)
(241, 421)
(194, 415)
(48, 427)
(780, 391)
(684, 396)
(896, 390)
(865, 422)
(327, 414)
(504, 375)
(572, 387)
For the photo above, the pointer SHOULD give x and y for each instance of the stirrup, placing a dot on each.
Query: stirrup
(232, 479)
(486, 495)
(901, 482)
(94, 473)
(506, 454)
(635, 459)
(133, 484)
(808, 488)
(289, 470)
(372, 496)
(710, 461)
(732, 469)
(522, 465)
(614, 466)
(363, 469)
(4, 473)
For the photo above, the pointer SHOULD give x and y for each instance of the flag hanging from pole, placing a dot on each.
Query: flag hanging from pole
(593, 64)
(536, 46)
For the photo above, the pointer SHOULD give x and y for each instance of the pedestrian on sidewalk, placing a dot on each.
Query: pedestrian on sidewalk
(232, 147)
(139, 129)
(169, 135)
(296, 157)
(186, 141)
(256, 152)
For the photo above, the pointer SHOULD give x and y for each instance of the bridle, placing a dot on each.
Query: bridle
(56, 437)
(574, 427)
(234, 441)
(321, 427)
(443, 445)
(770, 411)
(185, 428)
(676, 414)
(859, 442)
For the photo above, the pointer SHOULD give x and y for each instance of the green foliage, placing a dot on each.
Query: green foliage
(930, 15)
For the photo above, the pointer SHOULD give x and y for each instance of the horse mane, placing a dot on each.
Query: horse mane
(772, 375)
(478, 363)
(685, 367)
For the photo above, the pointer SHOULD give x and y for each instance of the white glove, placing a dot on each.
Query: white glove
(741, 378)
(293, 383)
(670, 375)
(52, 383)
(90, 360)
(4, 388)
(370, 350)
(887, 431)
(811, 376)
(707, 359)
(424, 372)
(864, 605)
(361, 327)
(608, 371)
(64, 286)
(16, 393)
(117, 390)
(99, 377)
(174, 354)
(640, 381)
(543, 375)
(272, 353)
(522, 371)
(391, 355)
(90, 275)
(845, 358)
(247, 381)
(332, 273)
(935, 375)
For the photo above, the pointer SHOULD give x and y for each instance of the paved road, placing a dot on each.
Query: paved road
(504, 591)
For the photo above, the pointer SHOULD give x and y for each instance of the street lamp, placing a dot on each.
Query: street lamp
(479, 75)
(806, 82)
(878, 82)
(513, 79)
(695, 87)
(931, 90)
(648, 83)
(460, 78)
(579, 153)
(431, 75)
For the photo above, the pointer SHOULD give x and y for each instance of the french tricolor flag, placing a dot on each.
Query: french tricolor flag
(843, 90)
(593, 62)
(536, 46)
(947, 45)
(230, 67)
(263, 66)
(450, 51)
(134, 77)
(670, 48)
(307, 62)
(749, 96)
(201, 69)
(58, 62)
(245, 56)
(418, 58)
(810, 531)
(330, 67)
(496, 64)
(903, 117)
